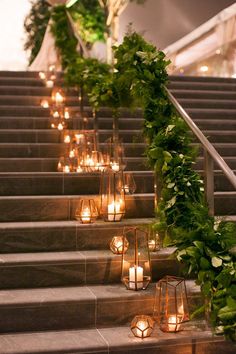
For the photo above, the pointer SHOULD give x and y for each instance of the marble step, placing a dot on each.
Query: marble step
(50, 269)
(26, 91)
(56, 208)
(194, 339)
(35, 101)
(92, 306)
(51, 236)
(58, 183)
(204, 79)
(31, 164)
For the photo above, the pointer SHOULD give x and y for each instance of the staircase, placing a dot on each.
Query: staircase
(60, 284)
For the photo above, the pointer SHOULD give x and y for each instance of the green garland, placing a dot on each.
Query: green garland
(204, 247)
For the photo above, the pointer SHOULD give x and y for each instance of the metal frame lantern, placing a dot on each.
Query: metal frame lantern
(171, 303)
(112, 206)
(142, 326)
(136, 266)
(86, 212)
(119, 245)
(115, 150)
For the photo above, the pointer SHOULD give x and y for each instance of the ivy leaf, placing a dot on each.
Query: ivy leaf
(216, 262)
(171, 202)
(170, 185)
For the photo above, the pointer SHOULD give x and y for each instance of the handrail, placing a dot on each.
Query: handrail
(204, 141)
(77, 36)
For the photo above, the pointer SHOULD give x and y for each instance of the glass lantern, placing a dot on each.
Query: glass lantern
(129, 184)
(112, 198)
(119, 245)
(115, 151)
(142, 326)
(136, 266)
(58, 97)
(87, 212)
(171, 304)
(154, 240)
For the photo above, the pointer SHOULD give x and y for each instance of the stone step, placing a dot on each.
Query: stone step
(127, 136)
(77, 307)
(51, 236)
(50, 269)
(57, 183)
(207, 103)
(56, 208)
(48, 150)
(203, 94)
(30, 91)
(56, 149)
(200, 85)
(33, 101)
(50, 164)
(16, 74)
(205, 79)
(193, 339)
(20, 81)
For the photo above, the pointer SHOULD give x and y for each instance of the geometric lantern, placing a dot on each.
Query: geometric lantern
(119, 244)
(136, 268)
(154, 240)
(128, 184)
(115, 151)
(87, 211)
(112, 198)
(142, 326)
(171, 303)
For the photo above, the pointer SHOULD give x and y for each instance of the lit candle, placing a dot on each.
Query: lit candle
(115, 166)
(142, 327)
(44, 104)
(135, 277)
(60, 126)
(79, 169)
(66, 169)
(59, 166)
(67, 139)
(49, 83)
(86, 216)
(52, 125)
(173, 323)
(42, 75)
(126, 188)
(152, 245)
(79, 138)
(56, 114)
(59, 98)
(72, 154)
(114, 211)
(66, 114)
(51, 67)
(53, 77)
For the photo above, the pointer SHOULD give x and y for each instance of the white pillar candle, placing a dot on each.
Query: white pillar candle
(142, 329)
(59, 98)
(56, 114)
(138, 279)
(60, 126)
(45, 104)
(115, 166)
(66, 114)
(67, 139)
(49, 83)
(72, 154)
(66, 169)
(173, 323)
(86, 216)
(114, 211)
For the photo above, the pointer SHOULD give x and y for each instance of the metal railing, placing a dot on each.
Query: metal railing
(210, 156)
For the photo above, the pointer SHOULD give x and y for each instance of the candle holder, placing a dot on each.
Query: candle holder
(115, 150)
(112, 198)
(119, 245)
(154, 240)
(136, 266)
(87, 212)
(128, 184)
(58, 97)
(142, 326)
(171, 304)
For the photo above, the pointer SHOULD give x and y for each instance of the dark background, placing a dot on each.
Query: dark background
(165, 21)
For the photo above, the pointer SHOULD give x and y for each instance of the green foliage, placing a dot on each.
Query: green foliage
(35, 25)
(90, 20)
(206, 248)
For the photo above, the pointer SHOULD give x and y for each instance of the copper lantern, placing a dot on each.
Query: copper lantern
(87, 211)
(142, 326)
(136, 267)
(171, 304)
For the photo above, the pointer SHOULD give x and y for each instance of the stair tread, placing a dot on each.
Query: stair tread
(83, 293)
(15, 259)
(105, 340)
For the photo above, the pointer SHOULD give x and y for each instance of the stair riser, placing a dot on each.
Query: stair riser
(81, 272)
(31, 91)
(225, 205)
(50, 165)
(63, 184)
(32, 100)
(203, 94)
(46, 208)
(216, 104)
(69, 315)
(54, 150)
(7, 81)
(75, 237)
(201, 86)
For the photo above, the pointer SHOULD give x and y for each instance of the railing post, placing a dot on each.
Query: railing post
(209, 181)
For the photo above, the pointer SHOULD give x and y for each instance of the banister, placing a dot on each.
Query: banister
(203, 140)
